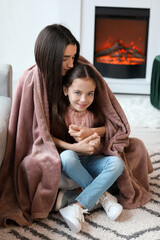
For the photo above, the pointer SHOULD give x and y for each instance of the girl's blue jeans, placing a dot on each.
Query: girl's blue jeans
(95, 174)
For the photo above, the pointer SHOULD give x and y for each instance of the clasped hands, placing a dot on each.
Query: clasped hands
(87, 140)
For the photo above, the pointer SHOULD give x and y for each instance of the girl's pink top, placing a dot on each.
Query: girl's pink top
(85, 119)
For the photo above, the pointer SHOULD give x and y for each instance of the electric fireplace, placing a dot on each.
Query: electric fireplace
(121, 39)
(120, 42)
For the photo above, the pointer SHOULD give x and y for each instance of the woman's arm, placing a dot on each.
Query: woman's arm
(100, 130)
(80, 132)
(86, 146)
(62, 144)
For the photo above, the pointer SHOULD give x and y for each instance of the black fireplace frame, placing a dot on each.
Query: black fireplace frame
(116, 70)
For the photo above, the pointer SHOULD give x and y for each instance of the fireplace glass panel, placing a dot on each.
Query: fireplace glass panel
(121, 36)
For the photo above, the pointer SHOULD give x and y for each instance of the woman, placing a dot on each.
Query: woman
(30, 174)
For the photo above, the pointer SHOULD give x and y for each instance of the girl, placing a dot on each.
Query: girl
(84, 161)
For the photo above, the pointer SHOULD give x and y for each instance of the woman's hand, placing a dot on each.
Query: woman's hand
(95, 142)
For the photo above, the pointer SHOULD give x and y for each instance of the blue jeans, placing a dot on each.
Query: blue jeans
(95, 174)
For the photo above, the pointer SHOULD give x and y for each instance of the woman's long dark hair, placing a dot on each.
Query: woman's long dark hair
(79, 71)
(49, 52)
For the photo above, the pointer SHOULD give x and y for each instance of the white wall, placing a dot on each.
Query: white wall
(22, 20)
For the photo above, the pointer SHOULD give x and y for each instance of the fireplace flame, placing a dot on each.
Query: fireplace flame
(120, 54)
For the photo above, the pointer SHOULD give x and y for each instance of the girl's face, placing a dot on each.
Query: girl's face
(68, 59)
(80, 93)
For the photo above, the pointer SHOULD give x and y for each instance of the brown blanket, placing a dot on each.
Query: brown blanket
(30, 174)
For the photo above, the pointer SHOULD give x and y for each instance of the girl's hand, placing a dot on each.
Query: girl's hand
(88, 145)
(96, 141)
(79, 133)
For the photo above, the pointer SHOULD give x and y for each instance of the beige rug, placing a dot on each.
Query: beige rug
(138, 224)
(139, 111)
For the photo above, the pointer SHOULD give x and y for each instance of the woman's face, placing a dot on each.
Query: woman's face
(68, 59)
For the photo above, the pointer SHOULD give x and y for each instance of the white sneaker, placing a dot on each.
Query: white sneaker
(73, 216)
(112, 208)
(65, 198)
